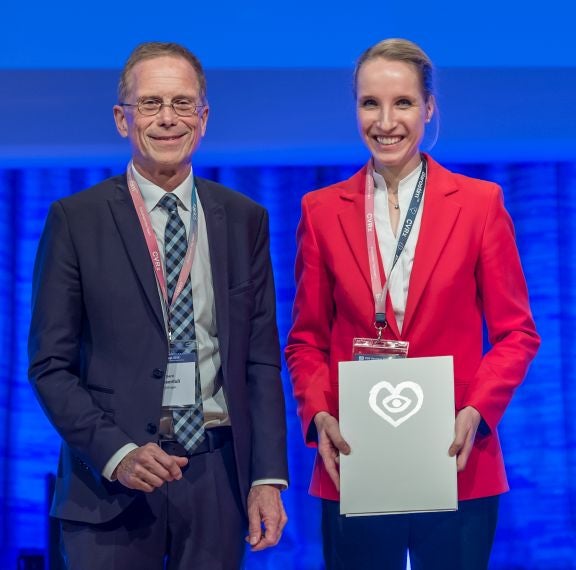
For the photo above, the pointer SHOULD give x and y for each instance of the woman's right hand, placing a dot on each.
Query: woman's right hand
(330, 444)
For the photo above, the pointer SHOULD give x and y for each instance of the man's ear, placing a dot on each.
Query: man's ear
(204, 120)
(120, 120)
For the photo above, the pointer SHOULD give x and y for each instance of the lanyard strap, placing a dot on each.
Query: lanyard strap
(152, 242)
(379, 292)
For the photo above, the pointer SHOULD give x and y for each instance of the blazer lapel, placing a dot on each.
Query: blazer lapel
(131, 233)
(352, 219)
(217, 230)
(438, 219)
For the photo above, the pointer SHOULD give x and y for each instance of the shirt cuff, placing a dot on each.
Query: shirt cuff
(114, 461)
(281, 483)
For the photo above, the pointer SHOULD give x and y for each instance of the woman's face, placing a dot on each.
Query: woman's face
(392, 114)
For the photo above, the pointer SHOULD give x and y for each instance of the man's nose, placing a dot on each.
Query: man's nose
(166, 114)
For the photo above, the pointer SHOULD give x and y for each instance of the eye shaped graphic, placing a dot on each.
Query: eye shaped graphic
(396, 404)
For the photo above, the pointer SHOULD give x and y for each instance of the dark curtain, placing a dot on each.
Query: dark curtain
(537, 526)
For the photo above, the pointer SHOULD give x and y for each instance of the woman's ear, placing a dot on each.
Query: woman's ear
(430, 104)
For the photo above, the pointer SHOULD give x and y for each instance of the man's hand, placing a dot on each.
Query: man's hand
(266, 517)
(330, 444)
(467, 422)
(148, 468)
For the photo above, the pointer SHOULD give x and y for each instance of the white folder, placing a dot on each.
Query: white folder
(398, 417)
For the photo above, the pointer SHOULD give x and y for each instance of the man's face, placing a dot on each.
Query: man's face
(163, 144)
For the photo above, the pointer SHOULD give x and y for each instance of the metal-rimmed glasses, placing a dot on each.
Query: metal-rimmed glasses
(151, 106)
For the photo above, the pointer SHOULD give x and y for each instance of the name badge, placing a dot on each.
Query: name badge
(378, 349)
(180, 380)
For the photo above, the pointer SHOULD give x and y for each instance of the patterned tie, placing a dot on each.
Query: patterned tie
(188, 422)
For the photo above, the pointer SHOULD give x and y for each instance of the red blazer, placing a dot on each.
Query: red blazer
(466, 268)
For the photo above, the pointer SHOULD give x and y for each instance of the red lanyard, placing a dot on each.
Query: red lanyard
(152, 242)
(378, 290)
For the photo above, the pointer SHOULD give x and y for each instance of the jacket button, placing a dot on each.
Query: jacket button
(158, 373)
(151, 428)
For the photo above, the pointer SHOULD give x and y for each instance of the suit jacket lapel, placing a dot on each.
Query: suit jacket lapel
(217, 230)
(131, 233)
(438, 219)
(352, 219)
(351, 216)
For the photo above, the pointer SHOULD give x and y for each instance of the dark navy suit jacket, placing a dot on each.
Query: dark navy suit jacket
(98, 347)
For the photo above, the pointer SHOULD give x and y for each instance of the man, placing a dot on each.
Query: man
(154, 349)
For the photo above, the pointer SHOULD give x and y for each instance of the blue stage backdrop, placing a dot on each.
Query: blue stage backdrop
(537, 526)
(298, 33)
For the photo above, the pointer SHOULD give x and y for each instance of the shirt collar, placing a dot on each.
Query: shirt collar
(152, 194)
(406, 185)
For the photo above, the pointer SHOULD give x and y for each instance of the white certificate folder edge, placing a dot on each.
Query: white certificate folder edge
(438, 369)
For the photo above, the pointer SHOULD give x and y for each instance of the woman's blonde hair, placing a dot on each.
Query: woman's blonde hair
(398, 49)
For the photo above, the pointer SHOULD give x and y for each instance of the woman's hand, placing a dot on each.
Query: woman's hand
(330, 444)
(467, 422)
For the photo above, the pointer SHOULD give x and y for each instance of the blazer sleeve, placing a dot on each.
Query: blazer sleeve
(266, 396)
(56, 333)
(505, 303)
(308, 346)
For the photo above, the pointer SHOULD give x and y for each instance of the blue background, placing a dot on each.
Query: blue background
(282, 123)
(299, 33)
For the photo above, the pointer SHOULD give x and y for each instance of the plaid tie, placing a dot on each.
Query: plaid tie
(189, 421)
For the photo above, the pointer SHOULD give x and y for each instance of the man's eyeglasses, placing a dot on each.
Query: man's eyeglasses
(151, 106)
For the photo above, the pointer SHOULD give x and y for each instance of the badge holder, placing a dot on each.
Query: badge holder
(180, 381)
(379, 348)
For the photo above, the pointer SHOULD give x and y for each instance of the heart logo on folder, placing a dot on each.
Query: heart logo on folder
(396, 404)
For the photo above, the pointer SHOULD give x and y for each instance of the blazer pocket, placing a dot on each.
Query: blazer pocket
(99, 388)
(241, 288)
(102, 396)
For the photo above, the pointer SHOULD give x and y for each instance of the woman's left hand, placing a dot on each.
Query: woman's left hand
(467, 422)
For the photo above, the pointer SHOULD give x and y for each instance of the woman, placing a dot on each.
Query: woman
(459, 265)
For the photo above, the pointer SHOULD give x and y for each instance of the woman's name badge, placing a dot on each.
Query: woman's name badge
(180, 380)
(378, 349)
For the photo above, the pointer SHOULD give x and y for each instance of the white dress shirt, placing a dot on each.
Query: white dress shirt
(213, 399)
(399, 280)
